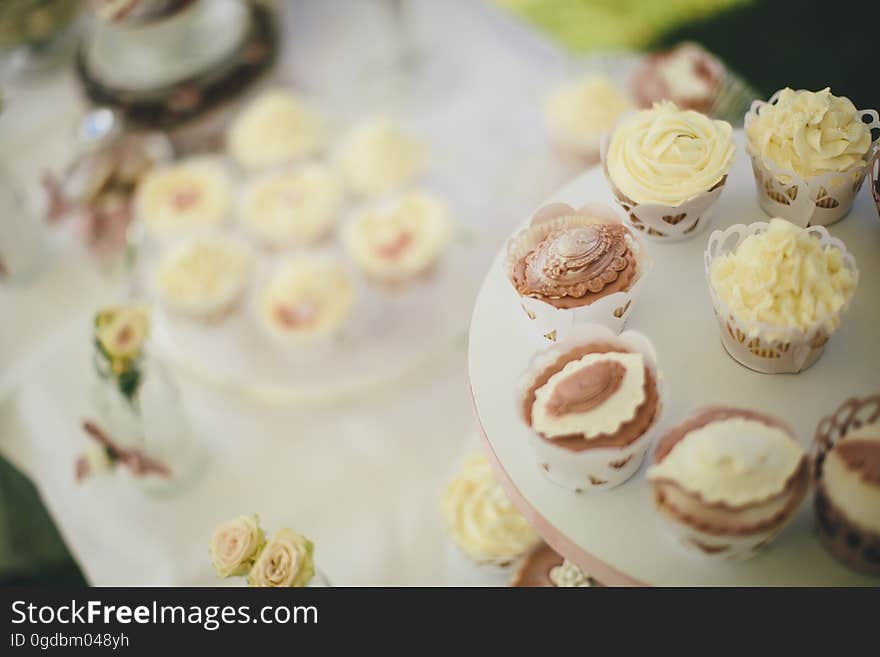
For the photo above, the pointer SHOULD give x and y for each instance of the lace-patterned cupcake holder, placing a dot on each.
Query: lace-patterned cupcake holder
(557, 324)
(599, 468)
(856, 547)
(815, 201)
(761, 347)
(665, 223)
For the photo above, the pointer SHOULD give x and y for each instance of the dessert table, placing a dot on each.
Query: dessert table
(362, 477)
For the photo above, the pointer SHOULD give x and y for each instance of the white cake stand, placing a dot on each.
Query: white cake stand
(614, 535)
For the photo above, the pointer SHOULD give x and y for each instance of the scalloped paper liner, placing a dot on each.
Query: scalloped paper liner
(665, 223)
(815, 201)
(846, 541)
(600, 468)
(557, 324)
(874, 172)
(763, 348)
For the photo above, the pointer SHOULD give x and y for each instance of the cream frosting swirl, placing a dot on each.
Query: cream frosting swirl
(667, 156)
(277, 127)
(292, 206)
(377, 157)
(735, 461)
(784, 278)
(810, 133)
(581, 111)
(481, 519)
(592, 396)
(400, 239)
(855, 490)
(567, 574)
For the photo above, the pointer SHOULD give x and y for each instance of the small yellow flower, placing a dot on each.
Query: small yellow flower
(122, 332)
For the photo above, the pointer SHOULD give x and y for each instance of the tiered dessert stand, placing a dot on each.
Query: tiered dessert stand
(615, 535)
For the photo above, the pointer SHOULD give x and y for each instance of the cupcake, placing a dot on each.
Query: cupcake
(203, 277)
(686, 74)
(779, 292)
(291, 207)
(377, 158)
(400, 239)
(481, 519)
(847, 478)
(810, 153)
(308, 297)
(544, 567)
(727, 480)
(180, 198)
(666, 167)
(592, 404)
(571, 267)
(276, 128)
(578, 113)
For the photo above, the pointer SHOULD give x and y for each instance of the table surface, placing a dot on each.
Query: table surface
(362, 479)
(674, 310)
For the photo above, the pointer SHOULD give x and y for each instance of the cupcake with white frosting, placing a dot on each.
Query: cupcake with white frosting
(593, 404)
(726, 481)
(666, 167)
(578, 113)
(481, 519)
(376, 158)
(810, 153)
(183, 197)
(570, 267)
(847, 478)
(544, 567)
(277, 127)
(203, 277)
(686, 74)
(400, 239)
(291, 207)
(309, 297)
(779, 292)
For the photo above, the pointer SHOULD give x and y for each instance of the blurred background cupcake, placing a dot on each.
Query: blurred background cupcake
(666, 167)
(544, 567)
(592, 404)
(687, 75)
(570, 267)
(726, 480)
(810, 153)
(779, 292)
(847, 477)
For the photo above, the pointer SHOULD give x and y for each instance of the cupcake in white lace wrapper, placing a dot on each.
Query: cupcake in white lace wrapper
(203, 277)
(481, 519)
(810, 153)
(399, 239)
(276, 128)
(779, 292)
(180, 198)
(291, 207)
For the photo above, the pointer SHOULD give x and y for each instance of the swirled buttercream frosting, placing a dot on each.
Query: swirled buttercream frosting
(667, 156)
(810, 133)
(577, 264)
(481, 519)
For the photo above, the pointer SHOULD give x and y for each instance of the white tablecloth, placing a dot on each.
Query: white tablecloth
(364, 479)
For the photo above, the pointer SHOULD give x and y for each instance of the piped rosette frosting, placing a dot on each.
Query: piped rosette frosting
(544, 567)
(847, 476)
(592, 404)
(569, 259)
(727, 480)
(308, 297)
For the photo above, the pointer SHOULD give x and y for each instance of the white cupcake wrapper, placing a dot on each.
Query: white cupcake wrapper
(761, 347)
(665, 223)
(602, 467)
(557, 324)
(815, 201)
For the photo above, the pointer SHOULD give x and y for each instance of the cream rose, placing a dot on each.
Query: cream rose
(809, 133)
(480, 517)
(122, 331)
(667, 156)
(235, 545)
(286, 561)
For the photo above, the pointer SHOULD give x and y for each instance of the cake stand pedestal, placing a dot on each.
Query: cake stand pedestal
(615, 535)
